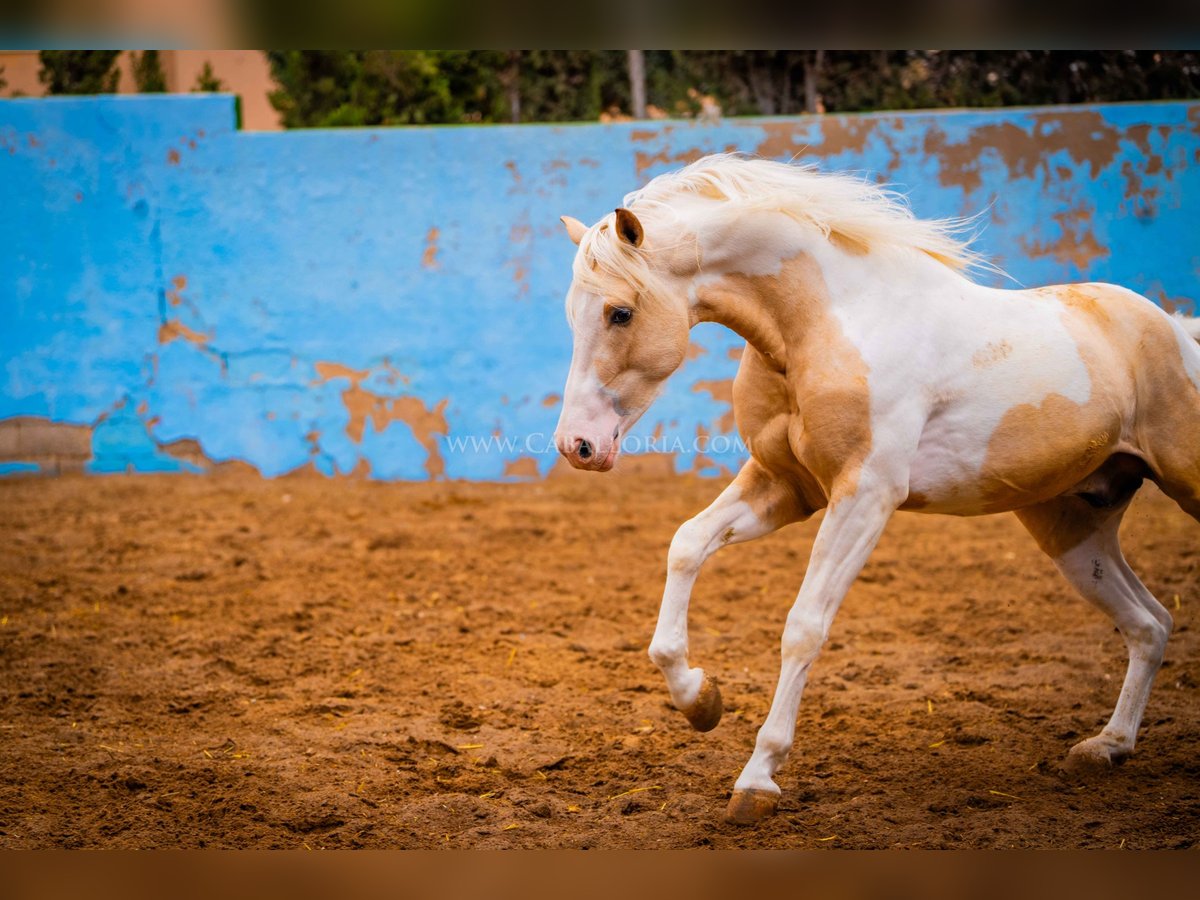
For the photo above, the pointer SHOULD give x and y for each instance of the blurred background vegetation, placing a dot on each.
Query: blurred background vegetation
(330, 88)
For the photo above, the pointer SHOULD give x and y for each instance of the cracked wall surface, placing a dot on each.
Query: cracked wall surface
(178, 295)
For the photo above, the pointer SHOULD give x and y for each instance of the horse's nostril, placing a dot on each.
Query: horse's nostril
(585, 449)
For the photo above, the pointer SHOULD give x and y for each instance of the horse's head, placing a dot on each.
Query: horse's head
(629, 315)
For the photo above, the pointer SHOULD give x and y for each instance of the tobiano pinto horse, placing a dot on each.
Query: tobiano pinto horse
(877, 377)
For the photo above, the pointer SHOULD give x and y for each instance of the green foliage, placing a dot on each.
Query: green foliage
(148, 74)
(79, 71)
(207, 81)
(333, 88)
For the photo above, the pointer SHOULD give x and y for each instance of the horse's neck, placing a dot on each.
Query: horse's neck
(778, 312)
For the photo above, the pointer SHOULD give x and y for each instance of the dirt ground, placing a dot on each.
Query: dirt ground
(225, 661)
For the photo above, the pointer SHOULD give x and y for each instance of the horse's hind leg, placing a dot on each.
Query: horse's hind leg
(1081, 538)
(753, 505)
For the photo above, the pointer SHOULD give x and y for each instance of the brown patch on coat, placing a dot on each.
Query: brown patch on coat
(1039, 450)
(847, 244)
(551, 400)
(1141, 401)
(1061, 524)
(633, 360)
(990, 354)
(801, 398)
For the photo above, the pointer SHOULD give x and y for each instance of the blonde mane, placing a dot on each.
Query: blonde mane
(845, 209)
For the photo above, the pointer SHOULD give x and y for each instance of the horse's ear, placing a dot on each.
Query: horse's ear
(575, 228)
(629, 228)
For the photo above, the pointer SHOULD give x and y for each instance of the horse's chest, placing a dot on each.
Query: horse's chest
(811, 433)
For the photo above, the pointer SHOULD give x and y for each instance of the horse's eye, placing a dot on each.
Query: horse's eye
(620, 315)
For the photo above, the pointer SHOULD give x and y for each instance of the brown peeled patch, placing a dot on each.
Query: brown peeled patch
(801, 398)
(841, 134)
(172, 330)
(721, 390)
(522, 467)
(329, 370)
(644, 161)
(1077, 243)
(429, 258)
(173, 157)
(551, 400)
(1084, 135)
(364, 405)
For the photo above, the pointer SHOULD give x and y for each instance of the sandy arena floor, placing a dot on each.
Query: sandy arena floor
(227, 661)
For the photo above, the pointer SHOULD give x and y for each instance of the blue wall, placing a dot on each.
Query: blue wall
(362, 299)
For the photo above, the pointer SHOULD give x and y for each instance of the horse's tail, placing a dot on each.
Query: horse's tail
(1189, 324)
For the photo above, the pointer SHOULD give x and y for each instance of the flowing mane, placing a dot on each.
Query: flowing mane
(844, 208)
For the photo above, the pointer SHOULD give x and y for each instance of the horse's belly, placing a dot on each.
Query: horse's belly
(1034, 453)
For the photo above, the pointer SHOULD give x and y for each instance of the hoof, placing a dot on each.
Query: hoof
(1092, 757)
(705, 713)
(750, 806)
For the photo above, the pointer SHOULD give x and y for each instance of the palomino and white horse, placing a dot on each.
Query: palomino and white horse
(877, 376)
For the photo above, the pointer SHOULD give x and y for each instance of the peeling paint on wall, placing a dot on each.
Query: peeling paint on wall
(183, 301)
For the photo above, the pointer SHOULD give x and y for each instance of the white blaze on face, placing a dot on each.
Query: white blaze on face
(588, 432)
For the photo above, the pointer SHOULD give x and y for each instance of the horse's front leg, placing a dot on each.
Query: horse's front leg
(753, 505)
(846, 538)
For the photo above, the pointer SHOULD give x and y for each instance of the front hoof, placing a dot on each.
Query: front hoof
(705, 711)
(1095, 756)
(751, 806)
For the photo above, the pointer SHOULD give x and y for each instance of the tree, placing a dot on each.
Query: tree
(148, 74)
(79, 71)
(207, 81)
(637, 82)
(325, 88)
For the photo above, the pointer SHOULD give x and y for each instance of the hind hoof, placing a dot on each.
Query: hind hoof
(1095, 756)
(749, 807)
(705, 712)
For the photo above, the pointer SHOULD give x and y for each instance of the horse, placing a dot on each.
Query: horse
(878, 375)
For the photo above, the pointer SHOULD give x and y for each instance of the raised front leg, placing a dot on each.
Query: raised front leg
(753, 505)
(849, 533)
